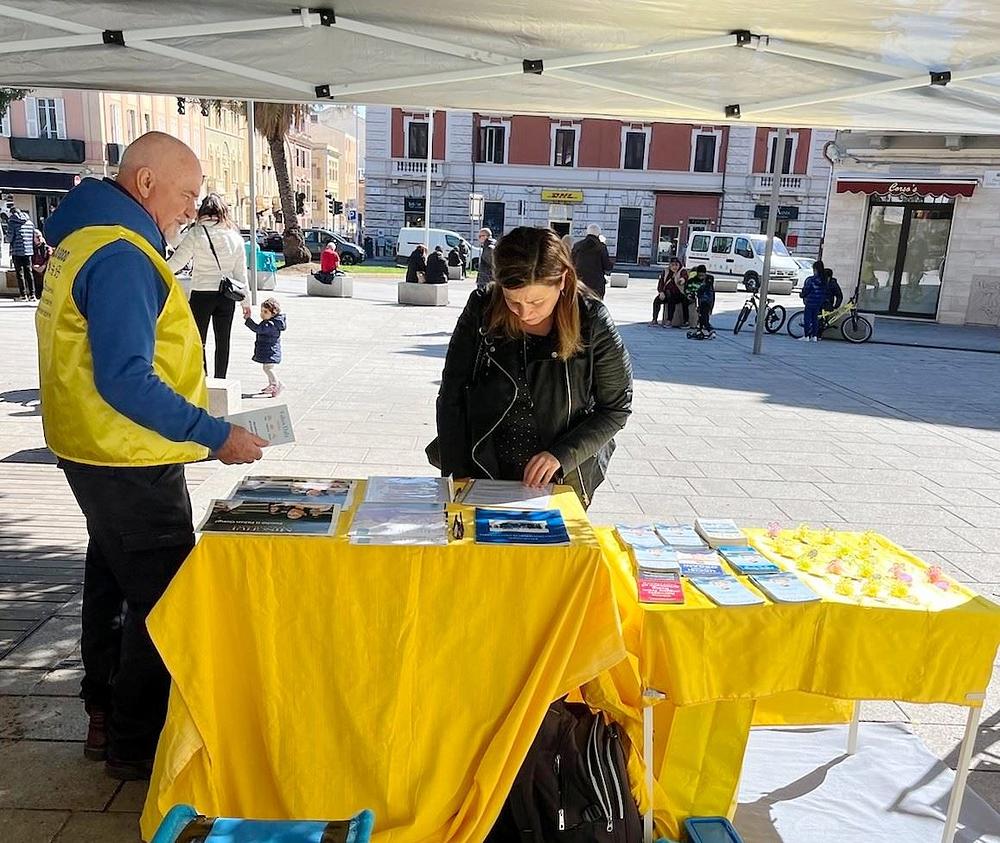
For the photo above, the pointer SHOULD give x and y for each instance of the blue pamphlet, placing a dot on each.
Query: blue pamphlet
(636, 537)
(746, 560)
(520, 526)
(784, 588)
(726, 591)
(701, 569)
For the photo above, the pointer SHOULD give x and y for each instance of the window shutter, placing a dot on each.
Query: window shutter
(31, 116)
(60, 119)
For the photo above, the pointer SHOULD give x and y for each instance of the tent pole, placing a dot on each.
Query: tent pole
(427, 186)
(772, 223)
(251, 128)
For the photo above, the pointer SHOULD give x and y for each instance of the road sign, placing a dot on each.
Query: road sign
(476, 206)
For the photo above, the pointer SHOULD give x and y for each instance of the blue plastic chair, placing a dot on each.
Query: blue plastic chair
(184, 820)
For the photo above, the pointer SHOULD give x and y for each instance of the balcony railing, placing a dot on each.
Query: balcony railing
(414, 168)
(789, 184)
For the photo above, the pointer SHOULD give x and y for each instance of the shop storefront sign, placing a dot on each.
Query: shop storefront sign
(413, 203)
(554, 195)
(907, 191)
(785, 212)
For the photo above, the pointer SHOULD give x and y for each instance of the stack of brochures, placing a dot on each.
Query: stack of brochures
(261, 517)
(641, 536)
(402, 511)
(719, 531)
(680, 536)
(507, 494)
(745, 560)
(784, 588)
(658, 573)
(312, 490)
(521, 526)
(726, 591)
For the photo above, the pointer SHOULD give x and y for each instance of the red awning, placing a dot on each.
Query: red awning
(907, 189)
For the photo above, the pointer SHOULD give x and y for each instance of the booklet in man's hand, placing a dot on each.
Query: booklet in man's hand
(272, 423)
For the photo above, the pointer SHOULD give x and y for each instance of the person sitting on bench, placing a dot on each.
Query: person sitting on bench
(329, 264)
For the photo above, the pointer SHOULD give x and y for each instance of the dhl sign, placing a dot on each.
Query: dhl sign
(569, 196)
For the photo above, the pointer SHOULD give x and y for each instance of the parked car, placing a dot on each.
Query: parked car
(410, 238)
(736, 258)
(805, 270)
(317, 238)
(268, 240)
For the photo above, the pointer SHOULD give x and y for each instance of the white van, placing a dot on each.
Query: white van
(737, 260)
(410, 238)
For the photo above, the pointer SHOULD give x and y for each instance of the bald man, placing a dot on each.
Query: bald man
(124, 408)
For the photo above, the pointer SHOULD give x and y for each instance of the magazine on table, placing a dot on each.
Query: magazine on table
(438, 490)
(272, 423)
(784, 588)
(726, 591)
(643, 535)
(295, 490)
(719, 531)
(271, 518)
(681, 536)
(506, 493)
(746, 560)
(399, 524)
(665, 590)
(524, 526)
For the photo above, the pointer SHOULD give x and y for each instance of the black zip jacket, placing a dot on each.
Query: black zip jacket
(580, 404)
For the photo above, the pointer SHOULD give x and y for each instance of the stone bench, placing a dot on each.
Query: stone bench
(422, 295)
(454, 273)
(619, 279)
(224, 396)
(342, 287)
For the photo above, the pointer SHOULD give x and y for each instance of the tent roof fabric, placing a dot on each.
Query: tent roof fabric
(893, 65)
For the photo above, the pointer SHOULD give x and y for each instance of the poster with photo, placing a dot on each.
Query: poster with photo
(271, 518)
(311, 490)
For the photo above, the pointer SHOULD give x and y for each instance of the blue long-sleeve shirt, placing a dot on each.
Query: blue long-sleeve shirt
(121, 295)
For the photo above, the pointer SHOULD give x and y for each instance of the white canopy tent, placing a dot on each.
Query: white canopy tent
(895, 65)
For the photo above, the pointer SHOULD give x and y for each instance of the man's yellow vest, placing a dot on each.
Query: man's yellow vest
(79, 424)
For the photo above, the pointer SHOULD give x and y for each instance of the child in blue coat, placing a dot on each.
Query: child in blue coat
(267, 347)
(814, 294)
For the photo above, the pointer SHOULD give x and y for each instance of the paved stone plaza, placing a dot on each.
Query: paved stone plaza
(900, 439)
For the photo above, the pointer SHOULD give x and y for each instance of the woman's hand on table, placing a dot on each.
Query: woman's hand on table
(541, 468)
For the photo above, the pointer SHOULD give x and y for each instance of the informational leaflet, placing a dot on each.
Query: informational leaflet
(784, 588)
(438, 490)
(295, 490)
(525, 526)
(726, 591)
(506, 493)
(270, 518)
(665, 590)
(653, 561)
(272, 423)
(643, 535)
(680, 536)
(719, 531)
(399, 524)
(746, 560)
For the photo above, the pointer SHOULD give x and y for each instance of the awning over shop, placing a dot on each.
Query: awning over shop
(907, 189)
(35, 181)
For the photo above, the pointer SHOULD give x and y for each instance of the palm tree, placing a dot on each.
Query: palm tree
(273, 121)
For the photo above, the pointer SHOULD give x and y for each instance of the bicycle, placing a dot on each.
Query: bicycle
(854, 327)
(773, 321)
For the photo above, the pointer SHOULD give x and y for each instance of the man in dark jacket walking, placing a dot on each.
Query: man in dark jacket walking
(592, 261)
(488, 242)
(21, 236)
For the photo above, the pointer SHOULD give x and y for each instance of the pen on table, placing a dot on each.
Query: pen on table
(458, 527)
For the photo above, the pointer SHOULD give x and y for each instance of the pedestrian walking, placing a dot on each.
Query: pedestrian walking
(216, 247)
(124, 408)
(814, 294)
(21, 236)
(41, 253)
(463, 251)
(537, 328)
(484, 277)
(267, 345)
(592, 261)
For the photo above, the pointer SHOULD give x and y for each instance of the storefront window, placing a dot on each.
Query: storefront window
(903, 258)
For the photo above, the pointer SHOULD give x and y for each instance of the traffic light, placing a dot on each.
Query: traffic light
(330, 202)
(300, 203)
(338, 208)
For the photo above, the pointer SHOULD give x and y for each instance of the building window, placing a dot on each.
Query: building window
(493, 217)
(791, 144)
(564, 147)
(706, 148)
(416, 140)
(635, 151)
(147, 123)
(5, 124)
(492, 144)
(131, 127)
(115, 123)
(46, 119)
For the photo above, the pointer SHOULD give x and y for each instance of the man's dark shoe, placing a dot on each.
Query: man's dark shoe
(129, 771)
(96, 746)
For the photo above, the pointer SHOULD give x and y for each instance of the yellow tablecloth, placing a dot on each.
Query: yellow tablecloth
(715, 664)
(312, 678)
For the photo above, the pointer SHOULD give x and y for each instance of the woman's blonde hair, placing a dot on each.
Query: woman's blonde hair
(214, 206)
(536, 256)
